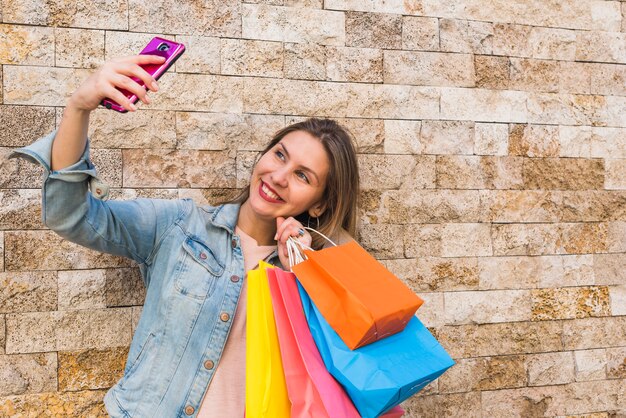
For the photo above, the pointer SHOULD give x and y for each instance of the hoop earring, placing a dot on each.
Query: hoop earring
(317, 219)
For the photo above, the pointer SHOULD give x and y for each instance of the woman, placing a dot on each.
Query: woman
(187, 357)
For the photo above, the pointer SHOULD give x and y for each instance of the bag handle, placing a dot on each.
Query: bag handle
(295, 249)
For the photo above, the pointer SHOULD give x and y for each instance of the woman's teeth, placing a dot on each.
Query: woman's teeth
(270, 193)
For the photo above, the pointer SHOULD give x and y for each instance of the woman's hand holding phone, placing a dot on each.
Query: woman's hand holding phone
(114, 75)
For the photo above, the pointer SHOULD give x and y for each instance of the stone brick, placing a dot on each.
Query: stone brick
(202, 54)
(484, 373)
(465, 239)
(563, 173)
(23, 125)
(313, 4)
(124, 287)
(608, 79)
(373, 30)
(217, 17)
(28, 292)
(590, 364)
(27, 373)
(81, 289)
(55, 404)
(593, 206)
(108, 163)
(382, 241)
(483, 105)
(534, 140)
(256, 58)
(550, 368)
(208, 196)
(107, 15)
(142, 129)
(2, 334)
(609, 269)
(432, 274)
(292, 24)
(422, 240)
(618, 300)
(354, 64)
(199, 92)
(369, 134)
(463, 341)
(430, 311)
(449, 405)
(491, 139)
(67, 330)
(178, 168)
(534, 42)
(492, 72)
(40, 86)
(123, 44)
(616, 237)
(586, 333)
(245, 164)
(420, 33)
(616, 362)
(542, 239)
(466, 36)
(403, 137)
(26, 45)
(575, 77)
(2, 255)
(570, 302)
(81, 48)
(560, 400)
(615, 174)
(305, 61)
(486, 307)
(91, 369)
(20, 209)
(567, 109)
(447, 137)
(396, 171)
(521, 206)
(477, 172)
(405, 102)
(587, 141)
(226, 131)
(135, 316)
(535, 75)
(601, 46)
(428, 69)
(45, 250)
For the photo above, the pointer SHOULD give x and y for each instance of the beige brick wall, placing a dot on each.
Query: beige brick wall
(492, 144)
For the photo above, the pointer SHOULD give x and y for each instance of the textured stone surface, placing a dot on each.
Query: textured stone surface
(291, 24)
(40, 86)
(123, 44)
(564, 174)
(178, 168)
(466, 239)
(590, 364)
(521, 206)
(124, 287)
(420, 33)
(550, 368)
(428, 69)
(403, 137)
(202, 54)
(492, 72)
(491, 138)
(534, 42)
(466, 36)
(484, 373)
(20, 208)
(483, 105)
(373, 30)
(67, 330)
(91, 369)
(447, 137)
(107, 162)
(81, 48)
(480, 307)
(616, 362)
(422, 240)
(305, 61)
(45, 250)
(23, 125)
(473, 172)
(354, 64)
(427, 274)
(26, 45)
(618, 300)
(258, 58)
(586, 333)
(615, 174)
(601, 46)
(535, 75)
(55, 404)
(382, 241)
(27, 373)
(82, 289)
(608, 79)
(447, 405)
(384, 172)
(1, 252)
(534, 141)
(594, 206)
(28, 292)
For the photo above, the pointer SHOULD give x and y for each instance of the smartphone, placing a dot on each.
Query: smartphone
(157, 46)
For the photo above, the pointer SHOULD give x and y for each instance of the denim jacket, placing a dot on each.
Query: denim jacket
(191, 263)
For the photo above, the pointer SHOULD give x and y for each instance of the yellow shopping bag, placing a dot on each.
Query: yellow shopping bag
(266, 390)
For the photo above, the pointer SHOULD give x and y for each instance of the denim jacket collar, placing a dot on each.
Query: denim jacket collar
(226, 216)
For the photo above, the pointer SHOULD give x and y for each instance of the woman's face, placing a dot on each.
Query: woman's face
(290, 178)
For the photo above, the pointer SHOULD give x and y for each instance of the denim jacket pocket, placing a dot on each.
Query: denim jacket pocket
(198, 270)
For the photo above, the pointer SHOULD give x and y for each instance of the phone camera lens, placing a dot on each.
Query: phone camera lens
(163, 47)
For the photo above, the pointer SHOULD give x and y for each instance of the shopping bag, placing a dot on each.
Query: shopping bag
(266, 390)
(384, 373)
(313, 392)
(360, 299)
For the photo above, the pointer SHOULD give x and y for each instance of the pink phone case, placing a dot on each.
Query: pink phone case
(157, 46)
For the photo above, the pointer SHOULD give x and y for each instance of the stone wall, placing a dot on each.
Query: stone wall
(492, 141)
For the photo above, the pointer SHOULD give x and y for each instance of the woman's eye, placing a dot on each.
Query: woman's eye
(302, 176)
(280, 155)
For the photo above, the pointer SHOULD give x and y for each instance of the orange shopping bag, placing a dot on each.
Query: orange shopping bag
(361, 300)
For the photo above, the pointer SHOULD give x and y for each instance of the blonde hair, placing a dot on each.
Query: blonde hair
(341, 193)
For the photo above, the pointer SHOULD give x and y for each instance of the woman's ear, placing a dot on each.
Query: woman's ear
(317, 210)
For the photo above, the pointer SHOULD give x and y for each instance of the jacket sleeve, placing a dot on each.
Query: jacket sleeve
(130, 228)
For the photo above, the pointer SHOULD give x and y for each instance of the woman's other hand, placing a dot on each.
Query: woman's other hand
(117, 73)
(286, 228)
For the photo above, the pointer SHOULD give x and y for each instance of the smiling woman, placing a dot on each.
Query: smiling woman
(189, 345)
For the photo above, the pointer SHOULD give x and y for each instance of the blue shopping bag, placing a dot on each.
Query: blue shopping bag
(382, 374)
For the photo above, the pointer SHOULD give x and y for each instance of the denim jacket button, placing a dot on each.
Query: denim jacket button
(203, 256)
(189, 410)
(233, 243)
(224, 316)
(209, 364)
(234, 278)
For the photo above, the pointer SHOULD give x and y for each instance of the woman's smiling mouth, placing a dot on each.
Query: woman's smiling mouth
(268, 194)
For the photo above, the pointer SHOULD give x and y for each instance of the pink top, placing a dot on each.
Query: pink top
(226, 395)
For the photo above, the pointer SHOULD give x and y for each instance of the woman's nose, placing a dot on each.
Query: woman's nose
(279, 177)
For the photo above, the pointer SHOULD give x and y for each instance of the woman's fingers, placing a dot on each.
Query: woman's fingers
(134, 70)
(117, 96)
(132, 86)
(290, 227)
